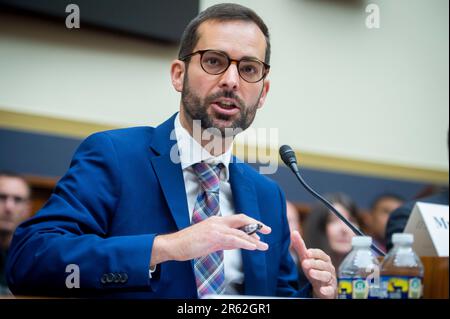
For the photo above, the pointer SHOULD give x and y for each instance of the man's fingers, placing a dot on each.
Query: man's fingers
(265, 229)
(328, 291)
(318, 265)
(238, 233)
(322, 276)
(235, 242)
(299, 245)
(255, 235)
(318, 254)
(240, 220)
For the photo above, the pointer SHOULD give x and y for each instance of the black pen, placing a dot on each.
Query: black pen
(250, 229)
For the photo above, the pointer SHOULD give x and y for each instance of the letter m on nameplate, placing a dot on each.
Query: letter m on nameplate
(441, 222)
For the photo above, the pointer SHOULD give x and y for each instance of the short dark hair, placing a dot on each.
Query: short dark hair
(384, 196)
(221, 12)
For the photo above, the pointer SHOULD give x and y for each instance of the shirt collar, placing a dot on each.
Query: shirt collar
(191, 152)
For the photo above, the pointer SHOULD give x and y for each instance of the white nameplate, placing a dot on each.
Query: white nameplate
(429, 223)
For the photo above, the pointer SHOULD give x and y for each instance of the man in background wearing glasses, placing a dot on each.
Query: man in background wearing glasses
(14, 208)
(159, 212)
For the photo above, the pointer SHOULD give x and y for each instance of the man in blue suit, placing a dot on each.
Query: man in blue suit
(156, 212)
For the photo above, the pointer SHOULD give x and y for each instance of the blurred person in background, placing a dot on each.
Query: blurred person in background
(323, 230)
(14, 208)
(382, 206)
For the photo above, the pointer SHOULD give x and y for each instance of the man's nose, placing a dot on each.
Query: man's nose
(230, 78)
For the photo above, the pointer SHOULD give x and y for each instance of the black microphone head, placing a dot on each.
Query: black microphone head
(288, 155)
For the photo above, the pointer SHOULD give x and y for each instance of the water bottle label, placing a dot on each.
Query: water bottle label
(345, 288)
(356, 288)
(402, 287)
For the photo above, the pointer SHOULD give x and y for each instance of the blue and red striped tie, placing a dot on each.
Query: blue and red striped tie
(209, 269)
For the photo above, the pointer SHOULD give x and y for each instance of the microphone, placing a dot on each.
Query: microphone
(289, 158)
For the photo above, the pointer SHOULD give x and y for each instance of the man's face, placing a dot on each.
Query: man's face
(381, 213)
(14, 206)
(207, 97)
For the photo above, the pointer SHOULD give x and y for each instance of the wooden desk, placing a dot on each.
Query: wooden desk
(436, 277)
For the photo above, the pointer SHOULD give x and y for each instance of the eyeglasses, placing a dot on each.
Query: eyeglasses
(216, 62)
(17, 199)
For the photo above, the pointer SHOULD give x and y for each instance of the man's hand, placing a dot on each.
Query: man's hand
(317, 267)
(210, 235)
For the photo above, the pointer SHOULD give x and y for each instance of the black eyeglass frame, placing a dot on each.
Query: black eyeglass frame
(230, 60)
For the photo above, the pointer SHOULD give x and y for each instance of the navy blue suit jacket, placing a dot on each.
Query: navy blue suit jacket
(122, 190)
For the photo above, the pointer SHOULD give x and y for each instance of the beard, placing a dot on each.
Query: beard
(196, 109)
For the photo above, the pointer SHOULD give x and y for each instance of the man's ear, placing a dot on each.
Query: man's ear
(265, 90)
(177, 71)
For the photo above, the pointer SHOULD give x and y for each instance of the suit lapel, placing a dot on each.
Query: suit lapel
(168, 170)
(245, 201)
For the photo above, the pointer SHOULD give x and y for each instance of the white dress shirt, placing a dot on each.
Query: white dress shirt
(191, 152)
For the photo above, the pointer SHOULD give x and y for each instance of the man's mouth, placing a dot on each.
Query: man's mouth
(226, 107)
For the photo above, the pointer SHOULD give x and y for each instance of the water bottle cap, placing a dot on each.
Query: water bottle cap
(402, 238)
(361, 241)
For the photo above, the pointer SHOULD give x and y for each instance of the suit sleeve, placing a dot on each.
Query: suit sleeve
(287, 284)
(71, 230)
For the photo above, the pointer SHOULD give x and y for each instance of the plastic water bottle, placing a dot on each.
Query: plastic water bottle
(402, 271)
(359, 272)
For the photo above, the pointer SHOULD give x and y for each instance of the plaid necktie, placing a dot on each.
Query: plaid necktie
(209, 271)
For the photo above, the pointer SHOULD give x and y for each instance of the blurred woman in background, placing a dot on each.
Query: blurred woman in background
(325, 231)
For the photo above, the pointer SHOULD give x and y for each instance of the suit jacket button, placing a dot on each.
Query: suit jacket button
(124, 278)
(104, 279)
(110, 277)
